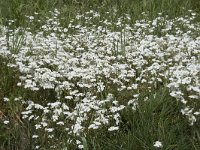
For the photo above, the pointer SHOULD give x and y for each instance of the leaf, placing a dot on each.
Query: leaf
(85, 143)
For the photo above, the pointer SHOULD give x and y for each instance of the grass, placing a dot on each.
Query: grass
(18, 9)
(156, 119)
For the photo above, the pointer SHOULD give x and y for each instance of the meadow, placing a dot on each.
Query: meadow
(100, 74)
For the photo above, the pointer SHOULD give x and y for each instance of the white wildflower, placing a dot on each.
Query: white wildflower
(158, 144)
(113, 128)
(6, 122)
(35, 136)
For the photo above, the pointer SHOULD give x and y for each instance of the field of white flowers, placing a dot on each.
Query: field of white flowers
(95, 68)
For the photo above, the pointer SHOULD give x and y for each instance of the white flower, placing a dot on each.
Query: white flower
(31, 117)
(113, 128)
(19, 84)
(49, 129)
(69, 97)
(37, 106)
(44, 124)
(78, 142)
(37, 147)
(65, 30)
(158, 144)
(93, 126)
(6, 122)
(80, 146)
(31, 17)
(35, 136)
(5, 99)
(37, 126)
(60, 123)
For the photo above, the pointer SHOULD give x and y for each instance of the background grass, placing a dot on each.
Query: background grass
(138, 130)
(19, 9)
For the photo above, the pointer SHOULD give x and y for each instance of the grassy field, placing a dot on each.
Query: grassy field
(100, 74)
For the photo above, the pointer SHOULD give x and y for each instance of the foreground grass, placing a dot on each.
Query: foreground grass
(156, 117)
(154, 120)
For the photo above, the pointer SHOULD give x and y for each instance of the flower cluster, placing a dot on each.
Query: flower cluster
(98, 69)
